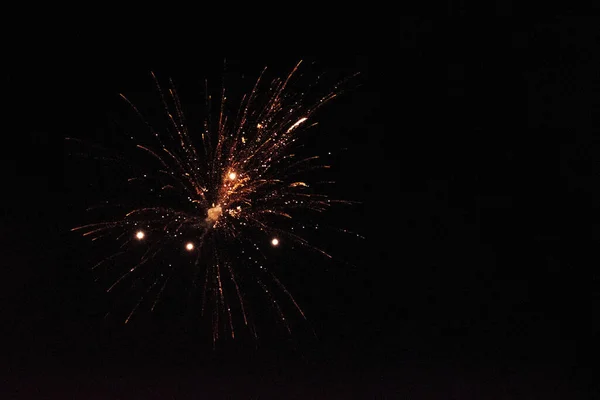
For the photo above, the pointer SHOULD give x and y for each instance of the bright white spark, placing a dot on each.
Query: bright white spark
(275, 242)
(140, 235)
(189, 246)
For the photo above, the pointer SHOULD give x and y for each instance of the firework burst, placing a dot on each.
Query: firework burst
(221, 197)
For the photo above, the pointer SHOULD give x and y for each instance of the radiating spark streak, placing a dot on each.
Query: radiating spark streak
(303, 161)
(184, 173)
(222, 298)
(77, 228)
(125, 275)
(246, 108)
(107, 259)
(282, 287)
(96, 230)
(205, 287)
(99, 237)
(163, 100)
(296, 184)
(161, 290)
(155, 155)
(139, 114)
(207, 146)
(239, 294)
(297, 124)
(140, 301)
(275, 213)
(274, 304)
(144, 259)
(305, 243)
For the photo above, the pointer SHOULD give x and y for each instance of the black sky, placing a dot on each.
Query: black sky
(475, 155)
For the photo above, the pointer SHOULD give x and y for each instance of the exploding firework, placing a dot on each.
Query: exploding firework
(220, 196)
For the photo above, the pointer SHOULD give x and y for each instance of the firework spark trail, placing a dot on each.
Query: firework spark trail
(237, 187)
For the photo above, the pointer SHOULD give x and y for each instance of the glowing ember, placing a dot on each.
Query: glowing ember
(213, 214)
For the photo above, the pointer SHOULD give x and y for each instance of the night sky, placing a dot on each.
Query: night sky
(477, 165)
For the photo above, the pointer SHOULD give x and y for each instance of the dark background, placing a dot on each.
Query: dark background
(476, 157)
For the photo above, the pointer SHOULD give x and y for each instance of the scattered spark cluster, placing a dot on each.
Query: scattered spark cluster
(223, 195)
